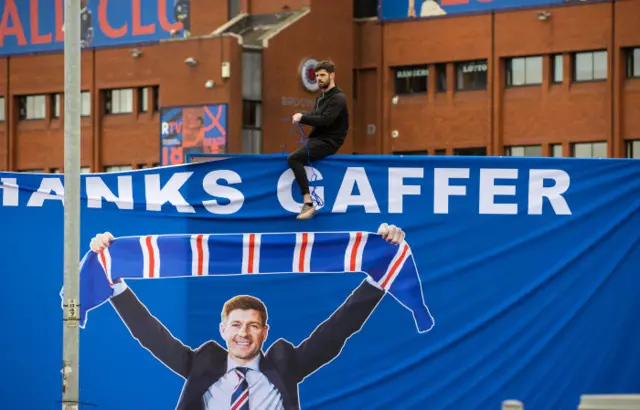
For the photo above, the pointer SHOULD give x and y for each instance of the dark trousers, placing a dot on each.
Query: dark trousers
(315, 150)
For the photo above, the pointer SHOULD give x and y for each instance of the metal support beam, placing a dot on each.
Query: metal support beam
(71, 291)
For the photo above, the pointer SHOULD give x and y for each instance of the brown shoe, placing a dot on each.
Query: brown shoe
(306, 212)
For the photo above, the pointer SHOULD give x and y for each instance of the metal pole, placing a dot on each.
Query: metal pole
(71, 331)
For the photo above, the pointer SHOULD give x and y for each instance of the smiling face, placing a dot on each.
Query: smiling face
(244, 328)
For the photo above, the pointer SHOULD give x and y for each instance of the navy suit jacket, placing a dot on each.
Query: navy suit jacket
(283, 364)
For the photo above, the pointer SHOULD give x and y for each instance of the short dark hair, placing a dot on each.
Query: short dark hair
(244, 302)
(326, 65)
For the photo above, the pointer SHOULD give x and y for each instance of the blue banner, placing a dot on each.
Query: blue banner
(30, 26)
(192, 130)
(403, 9)
(527, 267)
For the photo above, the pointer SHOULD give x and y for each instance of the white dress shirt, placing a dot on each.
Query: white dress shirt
(262, 394)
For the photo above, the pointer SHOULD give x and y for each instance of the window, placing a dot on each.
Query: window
(557, 68)
(480, 151)
(471, 75)
(590, 66)
(556, 150)
(633, 149)
(251, 114)
(252, 75)
(410, 153)
(365, 9)
(55, 105)
(234, 8)
(85, 98)
(633, 62)
(85, 170)
(156, 98)
(1, 109)
(119, 101)
(441, 81)
(251, 141)
(118, 168)
(32, 107)
(523, 151)
(411, 79)
(143, 99)
(524, 71)
(590, 150)
(33, 171)
(440, 152)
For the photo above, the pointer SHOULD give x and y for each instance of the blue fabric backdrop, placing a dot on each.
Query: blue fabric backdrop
(537, 301)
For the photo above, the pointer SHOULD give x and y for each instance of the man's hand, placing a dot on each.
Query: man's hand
(297, 117)
(101, 242)
(391, 233)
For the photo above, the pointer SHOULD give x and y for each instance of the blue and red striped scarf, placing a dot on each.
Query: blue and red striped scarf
(392, 267)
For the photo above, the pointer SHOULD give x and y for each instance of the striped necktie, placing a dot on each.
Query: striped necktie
(240, 397)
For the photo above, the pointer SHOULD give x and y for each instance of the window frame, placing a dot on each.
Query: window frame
(593, 78)
(509, 70)
(554, 68)
(509, 150)
(113, 94)
(459, 65)
(83, 95)
(591, 146)
(414, 75)
(23, 107)
(633, 62)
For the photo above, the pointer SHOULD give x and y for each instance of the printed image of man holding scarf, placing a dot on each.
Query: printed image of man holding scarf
(242, 376)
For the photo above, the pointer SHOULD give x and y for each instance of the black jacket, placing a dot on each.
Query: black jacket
(330, 118)
(283, 364)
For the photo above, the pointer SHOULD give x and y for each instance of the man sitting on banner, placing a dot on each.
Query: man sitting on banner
(243, 377)
(330, 122)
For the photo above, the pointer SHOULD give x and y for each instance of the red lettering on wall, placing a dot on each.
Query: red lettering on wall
(10, 11)
(59, 21)
(164, 21)
(104, 23)
(138, 28)
(36, 37)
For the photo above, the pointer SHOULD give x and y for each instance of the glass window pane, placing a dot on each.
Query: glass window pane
(144, 99)
(556, 150)
(636, 62)
(126, 100)
(251, 141)
(584, 66)
(533, 151)
(471, 75)
(251, 75)
(409, 80)
(633, 149)
(1, 108)
(86, 103)
(558, 68)
(56, 105)
(600, 65)
(582, 150)
(599, 150)
(533, 73)
(517, 71)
